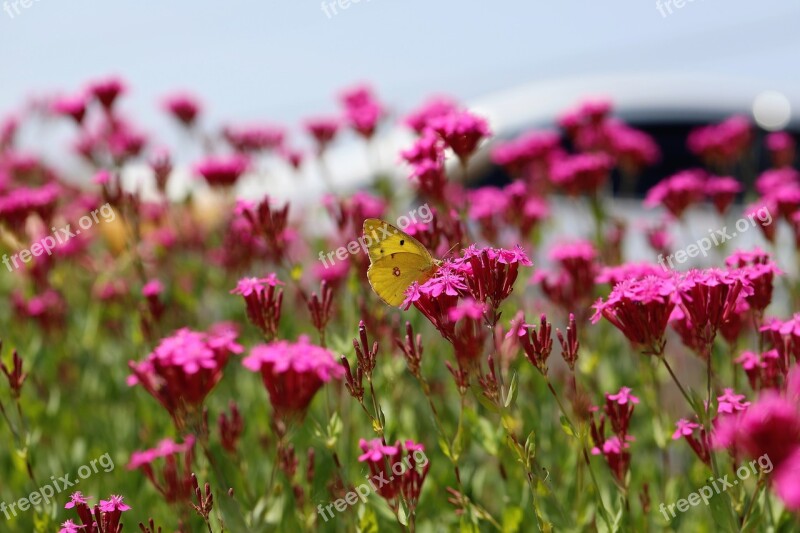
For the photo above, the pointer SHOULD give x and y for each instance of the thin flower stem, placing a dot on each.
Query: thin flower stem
(583, 444)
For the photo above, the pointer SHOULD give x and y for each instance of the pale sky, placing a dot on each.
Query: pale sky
(281, 60)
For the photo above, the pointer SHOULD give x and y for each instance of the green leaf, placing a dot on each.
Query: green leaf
(512, 391)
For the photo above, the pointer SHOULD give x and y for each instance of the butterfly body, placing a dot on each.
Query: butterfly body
(396, 261)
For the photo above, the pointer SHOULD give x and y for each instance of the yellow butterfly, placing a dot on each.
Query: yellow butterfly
(396, 261)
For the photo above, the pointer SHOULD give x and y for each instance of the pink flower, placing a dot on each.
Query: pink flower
(184, 107)
(517, 155)
(363, 111)
(616, 274)
(721, 144)
(375, 450)
(74, 107)
(114, 503)
(722, 191)
(383, 460)
(730, 402)
(781, 146)
(709, 298)
(293, 372)
(632, 148)
(434, 108)
(462, 132)
(222, 171)
(323, 130)
(684, 428)
(582, 173)
(152, 288)
(174, 481)
(185, 367)
(17, 205)
(640, 309)
(784, 481)
(76, 498)
(70, 527)
(254, 138)
(107, 91)
(677, 192)
(700, 444)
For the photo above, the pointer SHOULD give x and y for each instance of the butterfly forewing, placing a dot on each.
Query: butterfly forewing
(383, 240)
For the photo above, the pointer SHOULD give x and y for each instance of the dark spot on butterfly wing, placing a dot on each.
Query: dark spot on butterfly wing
(396, 271)
(402, 242)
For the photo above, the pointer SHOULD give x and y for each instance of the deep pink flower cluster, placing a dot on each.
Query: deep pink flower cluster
(21, 202)
(462, 132)
(618, 410)
(102, 518)
(362, 109)
(222, 171)
(678, 192)
(293, 372)
(781, 147)
(768, 429)
(570, 287)
(482, 278)
(616, 274)
(323, 130)
(436, 107)
(721, 144)
(640, 309)
(722, 191)
(174, 480)
(531, 149)
(264, 301)
(398, 469)
(184, 107)
(254, 138)
(184, 367)
(582, 173)
(708, 300)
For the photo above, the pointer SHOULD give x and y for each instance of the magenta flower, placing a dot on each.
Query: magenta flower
(174, 481)
(17, 205)
(375, 450)
(581, 173)
(731, 403)
(184, 107)
(185, 367)
(73, 107)
(222, 171)
(107, 91)
(781, 148)
(293, 373)
(678, 192)
(399, 475)
(76, 498)
(254, 138)
(114, 504)
(462, 132)
(765, 370)
(637, 271)
(633, 149)
(721, 144)
(760, 270)
(640, 309)
(70, 527)
(152, 288)
(436, 107)
(700, 444)
(363, 111)
(709, 298)
(323, 130)
(519, 155)
(722, 191)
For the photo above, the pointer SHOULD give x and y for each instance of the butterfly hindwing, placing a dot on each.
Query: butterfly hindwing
(391, 276)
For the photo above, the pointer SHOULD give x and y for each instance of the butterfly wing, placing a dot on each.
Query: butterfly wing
(391, 276)
(385, 240)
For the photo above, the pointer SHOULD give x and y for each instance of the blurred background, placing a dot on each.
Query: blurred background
(667, 69)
